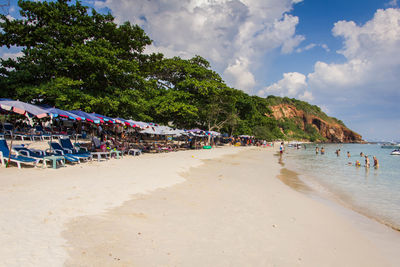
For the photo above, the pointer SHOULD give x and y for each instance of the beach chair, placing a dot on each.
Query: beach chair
(56, 147)
(39, 154)
(67, 144)
(8, 129)
(22, 136)
(18, 159)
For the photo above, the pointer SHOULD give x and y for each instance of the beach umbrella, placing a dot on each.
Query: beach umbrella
(62, 113)
(105, 118)
(22, 108)
(139, 124)
(86, 116)
(123, 122)
(28, 110)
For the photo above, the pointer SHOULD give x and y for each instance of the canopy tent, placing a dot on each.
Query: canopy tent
(28, 110)
(55, 112)
(153, 130)
(86, 116)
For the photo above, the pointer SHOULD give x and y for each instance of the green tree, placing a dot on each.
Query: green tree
(91, 61)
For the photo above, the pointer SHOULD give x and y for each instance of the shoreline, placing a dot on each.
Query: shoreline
(293, 179)
(378, 231)
(181, 224)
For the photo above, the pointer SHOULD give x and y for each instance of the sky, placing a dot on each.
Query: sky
(341, 55)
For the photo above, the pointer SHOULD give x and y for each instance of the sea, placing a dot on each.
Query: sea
(372, 192)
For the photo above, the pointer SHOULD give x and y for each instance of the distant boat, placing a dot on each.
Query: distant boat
(395, 152)
(391, 146)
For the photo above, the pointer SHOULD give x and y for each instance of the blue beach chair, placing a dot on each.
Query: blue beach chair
(67, 145)
(38, 154)
(18, 159)
(56, 147)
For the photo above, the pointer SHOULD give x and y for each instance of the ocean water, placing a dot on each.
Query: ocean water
(372, 192)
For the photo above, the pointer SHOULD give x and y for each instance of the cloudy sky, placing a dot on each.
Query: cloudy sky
(342, 55)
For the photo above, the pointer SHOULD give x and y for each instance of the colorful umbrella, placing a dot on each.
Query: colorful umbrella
(62, 113)
(105, 118)
(28, 110)
(86, 116)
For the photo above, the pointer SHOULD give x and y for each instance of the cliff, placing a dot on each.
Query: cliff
(325, 128)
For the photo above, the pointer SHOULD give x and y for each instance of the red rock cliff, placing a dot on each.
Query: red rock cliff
(332, 131)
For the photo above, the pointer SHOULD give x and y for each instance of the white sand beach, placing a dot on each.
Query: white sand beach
(219, 207)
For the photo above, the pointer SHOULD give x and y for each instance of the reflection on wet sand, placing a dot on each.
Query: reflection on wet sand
(291, 179)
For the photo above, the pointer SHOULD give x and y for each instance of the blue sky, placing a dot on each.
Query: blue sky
(341, 55)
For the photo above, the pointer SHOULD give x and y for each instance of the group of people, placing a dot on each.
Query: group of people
(367, 163)
(322, 150)
(357, 164)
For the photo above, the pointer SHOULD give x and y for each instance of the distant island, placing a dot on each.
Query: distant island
(76, 58)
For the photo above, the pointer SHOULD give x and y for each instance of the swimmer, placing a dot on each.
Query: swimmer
(366, 161)
(322, 150)
(361, 154)
(376, 162)
(358, 164)
(348, 154)
(316, 150)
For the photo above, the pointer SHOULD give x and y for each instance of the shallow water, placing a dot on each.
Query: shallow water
(373, 192)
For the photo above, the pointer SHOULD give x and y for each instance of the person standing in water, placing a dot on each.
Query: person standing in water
(366, 161)
(376, 163)
(361, 154)
(348, 154)
(316, 150)
(281, 148)
(322, 150)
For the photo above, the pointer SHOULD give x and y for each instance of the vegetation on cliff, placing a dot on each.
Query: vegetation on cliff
(76, 58)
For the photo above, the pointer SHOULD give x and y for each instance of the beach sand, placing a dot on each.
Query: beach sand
(220, 207)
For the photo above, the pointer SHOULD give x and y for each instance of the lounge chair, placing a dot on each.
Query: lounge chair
(18, 159)
(56, 147)
(39, 154)
(67, 144)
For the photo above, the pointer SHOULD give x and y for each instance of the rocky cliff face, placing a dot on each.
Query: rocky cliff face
(332, 131)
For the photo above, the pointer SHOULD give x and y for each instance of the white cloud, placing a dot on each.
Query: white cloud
(238, 73)
(392, 3)
(12, 55)
(293, 84)
(311, 46)
(232, 34)
(371, 51)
